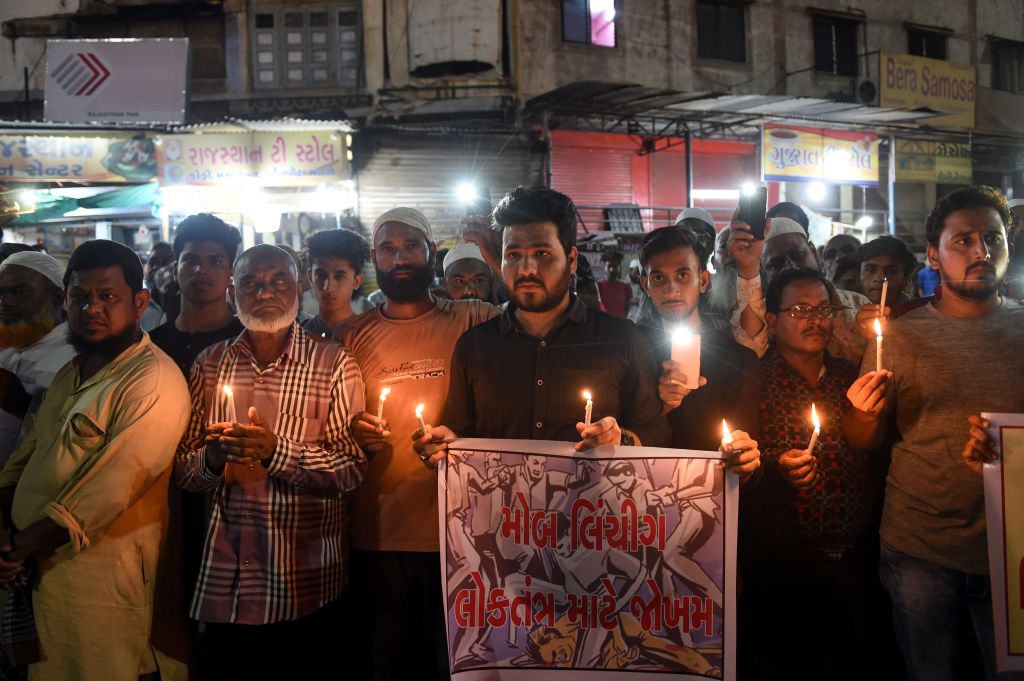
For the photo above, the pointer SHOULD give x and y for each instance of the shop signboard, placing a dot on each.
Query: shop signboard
(815, 154)
(929, 161)
(279, 159)
(117, 80)
(100, 158)
(909, 82)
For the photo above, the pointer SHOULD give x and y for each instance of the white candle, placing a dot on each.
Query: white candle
(686, 351)
(817, 429)
(419, 417)
(885, 292)
(231, 403)
(590, 406)
(726, 434)
(878, 346)
(384, 392)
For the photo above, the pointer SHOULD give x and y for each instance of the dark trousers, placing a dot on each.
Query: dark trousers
(399, 625)
(307, 649)
(805, 616)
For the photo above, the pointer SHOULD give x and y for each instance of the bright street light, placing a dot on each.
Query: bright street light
(816, 191)
(864, 222)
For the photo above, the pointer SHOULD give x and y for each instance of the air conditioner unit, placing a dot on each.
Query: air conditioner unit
(867, 92)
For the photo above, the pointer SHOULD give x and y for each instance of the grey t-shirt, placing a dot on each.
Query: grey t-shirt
(945, 369)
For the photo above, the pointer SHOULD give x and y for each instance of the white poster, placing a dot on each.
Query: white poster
(1004, 509)
(117, 80)
(618, 563)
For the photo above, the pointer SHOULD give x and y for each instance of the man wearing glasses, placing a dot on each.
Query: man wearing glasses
(811, 524)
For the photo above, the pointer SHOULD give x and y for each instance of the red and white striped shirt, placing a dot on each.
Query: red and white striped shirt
(276, 541)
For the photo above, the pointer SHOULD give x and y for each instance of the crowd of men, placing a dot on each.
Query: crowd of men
(223, 497)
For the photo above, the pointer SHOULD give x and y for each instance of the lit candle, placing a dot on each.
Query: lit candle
(384, 392)
(817, 429)
(878, 345)
(885, 292)
(231, 403)
(726, 434)
(590, 407)
(686, 351)
(419, 417)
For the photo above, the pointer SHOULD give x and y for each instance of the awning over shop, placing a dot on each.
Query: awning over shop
(623, 107)
(56, 205)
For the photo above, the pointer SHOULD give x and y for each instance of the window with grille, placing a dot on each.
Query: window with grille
(306, 46)
(929, 44)
(591, 22)
(721, 31)
(835, 45)
(1008, 65)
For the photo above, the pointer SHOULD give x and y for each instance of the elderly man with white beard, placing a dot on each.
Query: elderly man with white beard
(275, 561)
(33, 338)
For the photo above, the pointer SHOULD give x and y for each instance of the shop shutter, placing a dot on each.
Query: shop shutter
(593, 176)
(423, 171)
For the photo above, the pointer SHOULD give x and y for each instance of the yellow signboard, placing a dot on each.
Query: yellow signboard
(908, 82)
(927, 161)
(108, 158)
(841, 156)
(253, 158)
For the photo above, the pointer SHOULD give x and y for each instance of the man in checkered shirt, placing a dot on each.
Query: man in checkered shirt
(277, 459)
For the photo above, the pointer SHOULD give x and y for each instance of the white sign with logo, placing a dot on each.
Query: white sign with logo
(117, 80)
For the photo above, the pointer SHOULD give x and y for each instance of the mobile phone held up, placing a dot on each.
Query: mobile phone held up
(480, 204)
(753, 207)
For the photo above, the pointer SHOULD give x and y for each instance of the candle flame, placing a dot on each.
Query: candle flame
(419, 410)
(587, 396)
(227, 391)
(726, 433)
(384, 392)
(878, 328)
(814, 417)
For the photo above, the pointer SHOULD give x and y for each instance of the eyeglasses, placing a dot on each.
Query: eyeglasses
(808, 311)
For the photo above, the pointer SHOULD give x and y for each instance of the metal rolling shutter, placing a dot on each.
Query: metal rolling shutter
(593, 176)
(422, 171)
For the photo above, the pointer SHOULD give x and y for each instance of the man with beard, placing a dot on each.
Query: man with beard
(521, 375)
(785, 247)
(405, 345)
(84, 497)
(467, 275)
(947, 364)
(277, 470)
(33, 336)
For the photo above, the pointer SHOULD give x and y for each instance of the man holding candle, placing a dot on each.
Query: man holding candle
(84, 497)
(404, 345)
(886, 263)
(676, 278)
(948, 366)
(808, 527)
(275, 562)
(521, 375)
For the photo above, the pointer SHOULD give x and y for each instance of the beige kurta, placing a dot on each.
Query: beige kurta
(98, 462)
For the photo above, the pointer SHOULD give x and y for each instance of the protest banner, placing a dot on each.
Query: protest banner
(1004, 507)
(558, 563)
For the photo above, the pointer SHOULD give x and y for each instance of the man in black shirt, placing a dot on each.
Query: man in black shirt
(674, 262)
(522, 375)
(204, 250)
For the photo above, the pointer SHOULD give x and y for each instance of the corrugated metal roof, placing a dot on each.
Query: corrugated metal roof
(268, 125)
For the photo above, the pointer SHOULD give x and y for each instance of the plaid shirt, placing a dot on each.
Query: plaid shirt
(276, 546)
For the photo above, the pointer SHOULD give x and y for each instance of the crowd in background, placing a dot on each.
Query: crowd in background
(222, 464)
